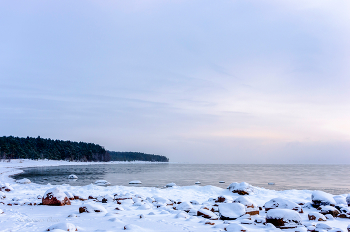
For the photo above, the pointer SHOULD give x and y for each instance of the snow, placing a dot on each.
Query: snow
(285, 214)
(55, 192)
(139, 210)
(323, 198)
(135, 182)
(281, 204)
(23, 181)
(231, 211)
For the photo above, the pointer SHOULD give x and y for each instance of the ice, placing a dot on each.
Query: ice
(23, 181)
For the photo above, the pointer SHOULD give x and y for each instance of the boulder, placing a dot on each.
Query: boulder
(250, 207)
(340, 200)
(135, 182)
(320, 198)
(231, 211)
(55, 197)
(102, 183)
(226, 199)
(63, 226)
(323, 226)
(328, 210)
(344, 212)
(240, 188)
(207, 214)
(169, 185)
(283, 218)
(5, 187)
(72, 176)
(23, 181)
(69, 195)
(314, 216)
(185, 206)
(92, 208)
(236, 228)
(282, 204)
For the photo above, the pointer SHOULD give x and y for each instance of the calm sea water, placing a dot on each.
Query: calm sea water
(334, 179)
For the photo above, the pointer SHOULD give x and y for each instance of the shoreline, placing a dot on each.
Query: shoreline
(144, 208)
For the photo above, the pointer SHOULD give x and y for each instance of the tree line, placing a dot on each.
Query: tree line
(132, 156)
(38, 148)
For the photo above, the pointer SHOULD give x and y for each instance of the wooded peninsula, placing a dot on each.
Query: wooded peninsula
(38, 148)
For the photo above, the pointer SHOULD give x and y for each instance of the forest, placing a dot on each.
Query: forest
(39, 148)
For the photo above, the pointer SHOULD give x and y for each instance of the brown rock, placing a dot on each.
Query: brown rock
(55, 197)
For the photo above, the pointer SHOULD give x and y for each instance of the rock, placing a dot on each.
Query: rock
(194, 202)
(344, 212)
(328, 210)
(1, 212)
(170, 185)
(2, 195)
(63, 226)
(207, 214)
(5, 187)
(69, 195)
(250, 207)
(226, 199)
(185, 206)
(102, 183)
(282, 204)
(231, 211)
(133, 227)
(23, 181)
(314, 216)
(72, 176)
(182, 215)
(340, 200)
(240, 188)
(221, 182)
(198, 182)
(320, 198)
(236, 228)
(92, 208)
(348, 228)
(283, 218)
(135, 182)
(335, 230)
(55, 197)
(105, 198)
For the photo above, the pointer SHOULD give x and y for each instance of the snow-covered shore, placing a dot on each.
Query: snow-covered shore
(155, 209)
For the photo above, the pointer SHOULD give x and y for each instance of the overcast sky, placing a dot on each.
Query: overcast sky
(198, 81)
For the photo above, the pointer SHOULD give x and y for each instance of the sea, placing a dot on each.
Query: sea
(334, 179)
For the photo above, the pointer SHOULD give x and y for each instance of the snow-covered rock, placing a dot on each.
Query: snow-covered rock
(207, 214)
(315, 216)
(170, 185)
(2, 195)
(236, 228)
(23, 181)
(63, 226)
(340, 200)
(226, 199)
(185, 206)
(182, 215)
(102, 183)
(323, 226)
(282, 204)
(1, 212)
(250, 207)
(72, 176)
(92, 208)
(344, 212)
(135, 182)
(5, 187)
(283, 218)
(198, 182)
(231, 211)
(321, 198)
(240, 188)
(56, 197)
(327, 209)
(144, 207)
(69, 195)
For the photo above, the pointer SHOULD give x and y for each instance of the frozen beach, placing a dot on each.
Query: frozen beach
(188, 208)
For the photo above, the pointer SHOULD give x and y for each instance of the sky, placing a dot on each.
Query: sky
(197, 81)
